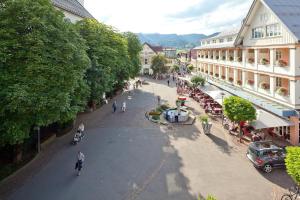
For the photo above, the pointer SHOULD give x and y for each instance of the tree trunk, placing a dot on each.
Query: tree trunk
(18, 153)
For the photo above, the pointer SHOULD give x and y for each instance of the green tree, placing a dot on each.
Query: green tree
(159, 64)
(292, 162)
(198, 81)
(239, 110)
(43, 62)
(134, 49)
(190, 68)
(175, 68)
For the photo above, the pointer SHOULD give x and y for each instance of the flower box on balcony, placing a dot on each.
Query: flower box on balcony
(223, 77)
(230, 79)
(231, 58)
(264, 61)
(206, 71)
(206, 56)
(282, 91)
(239, 82)
(202, 70)
(202, 56)
(211, 57)
(217, 57)
(250, 82)
(240, 59)
(217, 75)
(281, 63)
(223, 58)
(265, 86)
(211, 73)
(250, 60)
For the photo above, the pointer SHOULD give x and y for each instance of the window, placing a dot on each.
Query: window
(214, 41)
(221, 40)
(278, 82)
(258, 32)
(208, 42)
(264, 17)
(278, 55)
(229, 39)
(146, 61)
(273, 30)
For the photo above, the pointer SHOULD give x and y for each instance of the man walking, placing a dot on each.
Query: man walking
(168, 82)
(79, 162)
(114, 106)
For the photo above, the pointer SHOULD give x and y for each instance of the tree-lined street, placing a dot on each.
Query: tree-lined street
(128, 157)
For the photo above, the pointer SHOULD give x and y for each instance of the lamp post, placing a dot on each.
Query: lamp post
(222, 94)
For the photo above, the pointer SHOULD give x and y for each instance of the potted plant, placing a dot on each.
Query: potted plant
(240, 59)
(224, 57)
(206, 125)
(250, 82)
(265, 86)
(217, 57)
(239, 82)
(202, 56)
(216, 75)
(206, 56)
(231, 58)
(281, 63)
(206, 71)
(211, 57)
(264, 61)
(211, 73)
(251, 60)
(223, 77)
(282, 91)
(230, 79)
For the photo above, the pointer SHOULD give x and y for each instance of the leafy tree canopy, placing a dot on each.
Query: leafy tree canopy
(43, 61)
(197, 81)
(159, 64)
(238, 109)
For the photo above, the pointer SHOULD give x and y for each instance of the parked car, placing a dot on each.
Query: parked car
(266, 156)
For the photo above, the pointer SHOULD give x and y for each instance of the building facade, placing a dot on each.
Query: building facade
(73, 9)
(149, 51)
(260, 61)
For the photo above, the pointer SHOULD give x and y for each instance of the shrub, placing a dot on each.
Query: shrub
(292, 162)
(156, 117)
(165, 107)
(282, 91)
(204, 119)
(197, 81)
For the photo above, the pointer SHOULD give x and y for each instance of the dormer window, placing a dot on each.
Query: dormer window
(214, 41)
(221, 40)
(258, 32)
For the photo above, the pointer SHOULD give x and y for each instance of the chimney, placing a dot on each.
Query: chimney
(81, 2)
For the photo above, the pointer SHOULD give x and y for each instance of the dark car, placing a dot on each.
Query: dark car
(266, 156)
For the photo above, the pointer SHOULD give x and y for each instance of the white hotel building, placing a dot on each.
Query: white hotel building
(260, 62)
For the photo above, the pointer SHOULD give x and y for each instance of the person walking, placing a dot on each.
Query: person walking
(114, 106)
(124, 106)
(158, 100)
(168, 82)
(79, 162)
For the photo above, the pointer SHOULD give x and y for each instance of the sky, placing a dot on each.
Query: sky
(170, 16)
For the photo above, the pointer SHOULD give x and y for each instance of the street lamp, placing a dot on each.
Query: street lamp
(222, 94)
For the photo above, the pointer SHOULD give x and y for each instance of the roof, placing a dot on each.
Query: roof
(72, 6)
(288, 11)
(217, 45)
(229, 32)
(156, 49)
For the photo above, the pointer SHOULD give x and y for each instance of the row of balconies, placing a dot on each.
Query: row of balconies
(258, 83)
(266, 57)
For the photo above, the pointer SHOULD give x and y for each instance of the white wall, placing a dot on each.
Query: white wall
(285, 38)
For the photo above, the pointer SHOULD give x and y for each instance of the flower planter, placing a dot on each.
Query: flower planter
(206, 71)
(281, 63)
(216, 75)
(223, 77)
(282, 91)
(264, 61)
(206, 126)
(240, 59)
(211, 73)
(250, 82)
(239, 82)
(223, 58)
(231, 58)
(230, 79)
(217, 57)
(250, 60)
(265, 86)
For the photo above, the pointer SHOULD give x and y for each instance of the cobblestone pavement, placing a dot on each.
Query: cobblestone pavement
(130, 158)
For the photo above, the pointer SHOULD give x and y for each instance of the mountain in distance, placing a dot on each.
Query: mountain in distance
(186, 41)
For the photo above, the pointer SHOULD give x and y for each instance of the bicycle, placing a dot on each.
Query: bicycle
(294, 192)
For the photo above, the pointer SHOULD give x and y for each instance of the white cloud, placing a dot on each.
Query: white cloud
(154, 16)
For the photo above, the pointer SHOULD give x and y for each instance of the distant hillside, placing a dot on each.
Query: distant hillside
(173, 40)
